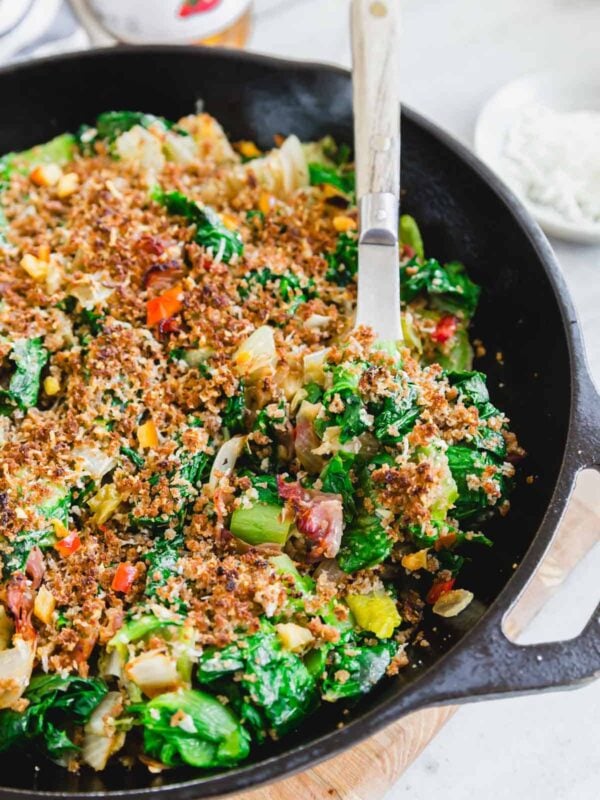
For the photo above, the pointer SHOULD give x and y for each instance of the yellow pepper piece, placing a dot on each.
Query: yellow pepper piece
(43, 252)
(34, 267)
(229, 221)
(294, 637)
(375, 612)
(104, 503)
(265, 202)
(248, 149)
(415, 561)
(343, 224)
(44, 605)
(51, 386)
(147, 434)
(60, 531)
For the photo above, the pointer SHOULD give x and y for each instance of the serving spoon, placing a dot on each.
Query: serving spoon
(375, 32)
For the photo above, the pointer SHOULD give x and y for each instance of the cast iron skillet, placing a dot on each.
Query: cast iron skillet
(525, 313)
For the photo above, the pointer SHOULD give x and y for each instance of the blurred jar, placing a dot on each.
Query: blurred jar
(214, 22)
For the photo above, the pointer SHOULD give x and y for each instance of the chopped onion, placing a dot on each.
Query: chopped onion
(317, 321)
(95, 463)
(138, 146)
(153, 672)
(15, 671)
(313, 367)
(307, 441)
(97, 750)
(178, 148)
(225, 459)
(257, 357)
(451, 603)
(90, 291)
(209, 138)
(102, 721)
(280, 172)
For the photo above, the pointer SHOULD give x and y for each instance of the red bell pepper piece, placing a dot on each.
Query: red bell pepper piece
(124, 577)
(69, 544)
(164, 306)
(445, 329)
(438, 589)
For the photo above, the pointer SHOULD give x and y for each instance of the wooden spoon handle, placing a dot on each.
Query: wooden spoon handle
(375, 32)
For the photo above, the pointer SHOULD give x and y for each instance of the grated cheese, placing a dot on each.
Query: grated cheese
(552, 158)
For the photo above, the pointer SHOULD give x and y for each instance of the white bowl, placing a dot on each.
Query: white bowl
(561, 91)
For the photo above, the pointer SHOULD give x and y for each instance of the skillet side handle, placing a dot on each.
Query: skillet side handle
(494, 666)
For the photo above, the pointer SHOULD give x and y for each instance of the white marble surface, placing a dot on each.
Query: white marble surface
(455, 54)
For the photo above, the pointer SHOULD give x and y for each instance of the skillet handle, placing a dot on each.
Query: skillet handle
(490, 665)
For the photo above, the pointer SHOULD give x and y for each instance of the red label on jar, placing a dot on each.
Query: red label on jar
(189, 7)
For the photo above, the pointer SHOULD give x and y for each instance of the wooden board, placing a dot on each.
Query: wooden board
(368, 771)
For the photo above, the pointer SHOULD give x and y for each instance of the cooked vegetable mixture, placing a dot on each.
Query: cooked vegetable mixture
(220, 505)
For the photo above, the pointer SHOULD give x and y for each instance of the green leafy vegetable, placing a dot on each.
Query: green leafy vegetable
(291, 288)
(136, 629)
(181, 483)
(351, 420)
(59, 150)
(448, 287)
(364, 544)
(54, 702)
(235, 411)
(136, 458)
(335, 478)
(112, 124)
(161, 559)
(354, 666)
(340, 176)
(260, 523)
(342, 263)
(211, 233)
(396, 416)
(208, 734)
(438, 528)
(277, 682)
(55, 507)
(30, 357)
(472, 391)
(314, 392)
(472, 469)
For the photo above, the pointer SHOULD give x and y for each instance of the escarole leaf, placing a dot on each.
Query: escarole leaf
(290, 288)
(279, 686)
(211, 233)
(396, 415)
(352, 420)
(336, 479)
(342, 263)
(340, 176)
(207, 734)
(30, 357)
(54, 702)
(447, 286)
(365, 543)
(480, 482)
(355, 665)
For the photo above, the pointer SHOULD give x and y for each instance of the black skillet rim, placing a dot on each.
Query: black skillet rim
(415, 696)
